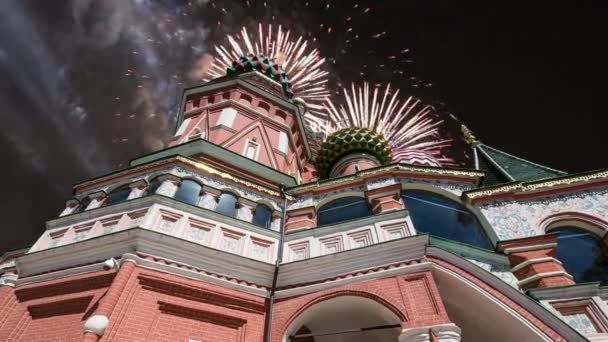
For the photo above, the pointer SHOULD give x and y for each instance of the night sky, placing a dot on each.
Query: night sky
(87, 85)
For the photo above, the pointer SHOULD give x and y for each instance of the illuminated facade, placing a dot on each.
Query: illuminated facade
(229, 235)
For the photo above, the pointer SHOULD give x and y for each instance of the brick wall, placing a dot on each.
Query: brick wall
(413, 298)
(162, 307)
(52, 310)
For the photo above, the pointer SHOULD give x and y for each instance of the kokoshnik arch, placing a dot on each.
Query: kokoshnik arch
(240, 230)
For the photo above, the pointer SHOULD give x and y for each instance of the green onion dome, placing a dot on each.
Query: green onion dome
(264, 65)
(351, 140)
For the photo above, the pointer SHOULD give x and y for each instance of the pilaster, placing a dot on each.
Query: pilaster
(209, 197)
(303, 218)
(385, 199)
(138, 188)
(97, 199)
(275, 224)
(533, 262)
(169, 185)
(71, 206)
(245, 209)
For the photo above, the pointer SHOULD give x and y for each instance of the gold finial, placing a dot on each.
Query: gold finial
(468, 135)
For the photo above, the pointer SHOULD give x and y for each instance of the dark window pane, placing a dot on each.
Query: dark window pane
(581, 254)
(442, 217)
(119, 195)
(188, 192)
(84, 203)
(226, 204)
(262, 216)
(153, 186)
(343, 209)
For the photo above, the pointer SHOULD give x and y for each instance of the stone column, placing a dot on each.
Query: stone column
(97, 199)
(96, 325)
(275, 224)
(71, 206)
(169, 185)
(533, 262)
(138, 188)
(449, 332)
(385, 199)
(245, 209)
(209, 197)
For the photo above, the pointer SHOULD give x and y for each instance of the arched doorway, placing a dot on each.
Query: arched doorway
(346, 318)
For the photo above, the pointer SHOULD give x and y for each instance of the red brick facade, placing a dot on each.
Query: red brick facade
(533, 261)
(52, 310)
(413, 298)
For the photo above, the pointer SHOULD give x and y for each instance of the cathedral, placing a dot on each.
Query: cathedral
(248, 228)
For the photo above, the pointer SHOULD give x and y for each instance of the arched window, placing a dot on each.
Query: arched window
(188, 192)
(153, 186)
(343, 209)
(581, 254)
(119, 194)
(226, 204)
(442, 217)
(262, 216)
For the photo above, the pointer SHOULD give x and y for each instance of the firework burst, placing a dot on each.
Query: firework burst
(406, 124)
(301, 63)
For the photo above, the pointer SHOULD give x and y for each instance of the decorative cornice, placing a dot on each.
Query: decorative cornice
(213, 171)
(138, 240)
(566, 292)
(540, 276)
(332, 266)
(184, 161)
(422, 171)
(528, 188)
(508, 188)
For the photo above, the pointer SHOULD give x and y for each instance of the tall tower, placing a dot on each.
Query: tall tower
(234, 232)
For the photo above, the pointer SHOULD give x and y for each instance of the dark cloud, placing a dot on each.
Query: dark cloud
(86, 85)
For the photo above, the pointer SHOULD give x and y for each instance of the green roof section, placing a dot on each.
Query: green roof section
(501, 167)
(220, 154)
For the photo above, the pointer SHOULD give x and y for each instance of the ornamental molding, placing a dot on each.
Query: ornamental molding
(382, 272)
(392, 169)
(138, 240)
(567, 292)
(529, 188)
(353, 261)
(174, 161)
(510, 250)
(540, 276)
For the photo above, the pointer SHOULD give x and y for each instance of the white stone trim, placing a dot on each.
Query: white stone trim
(391, 272)
(68, 272)
(165, 268)
(534, 261)
(96, 324)
(543, 275)
(146, 242)
(8, 279)
(351, 261)
(529, 248)
(448, 332)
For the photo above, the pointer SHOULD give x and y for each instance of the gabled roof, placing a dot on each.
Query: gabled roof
(501, 167)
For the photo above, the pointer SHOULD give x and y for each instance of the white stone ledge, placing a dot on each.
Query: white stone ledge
(534, 261)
